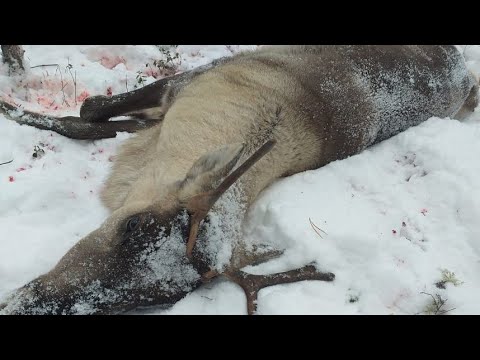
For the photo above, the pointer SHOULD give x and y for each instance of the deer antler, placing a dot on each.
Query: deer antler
(201, 204)
(252, 284)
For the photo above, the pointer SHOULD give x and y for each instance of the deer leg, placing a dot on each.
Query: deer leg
(97, 110)
(101, 108)
(252, 284)
(72, 126)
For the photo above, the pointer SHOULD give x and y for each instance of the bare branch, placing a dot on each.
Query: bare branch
(316, 228)
(437, 304)
(74, 79)
(43, 65)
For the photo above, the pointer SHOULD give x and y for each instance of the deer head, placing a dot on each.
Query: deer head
(143, 254)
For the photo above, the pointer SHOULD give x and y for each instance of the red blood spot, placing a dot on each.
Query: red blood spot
(424, 211)
(11, 179)
(111, 62)
(21, 169)
(83, 95)
(394, 232)
(152, 73)
(403, 224)
(99, 151)
(109, 91)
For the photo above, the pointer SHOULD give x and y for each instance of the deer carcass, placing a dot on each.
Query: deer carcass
(179, 190)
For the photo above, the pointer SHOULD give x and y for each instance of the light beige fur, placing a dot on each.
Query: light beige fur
(234, 104)
(320, 104)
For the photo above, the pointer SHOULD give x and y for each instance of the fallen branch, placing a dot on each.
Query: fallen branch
(74, 79)
(43, 65)
(8, 162)
(316, 228)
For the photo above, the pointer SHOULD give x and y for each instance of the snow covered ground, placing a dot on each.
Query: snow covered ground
(399, 218)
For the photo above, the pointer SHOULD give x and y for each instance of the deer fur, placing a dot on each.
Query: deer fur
(319, 103)
(237, 104)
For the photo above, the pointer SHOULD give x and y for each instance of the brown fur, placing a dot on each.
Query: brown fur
(320, 104)
(237, 103)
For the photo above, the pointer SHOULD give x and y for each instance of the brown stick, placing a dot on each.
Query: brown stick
(252, 284)
(43, 65)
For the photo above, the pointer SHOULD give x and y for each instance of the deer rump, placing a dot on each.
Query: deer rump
(214, 139)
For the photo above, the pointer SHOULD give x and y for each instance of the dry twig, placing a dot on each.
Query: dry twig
(316, 228)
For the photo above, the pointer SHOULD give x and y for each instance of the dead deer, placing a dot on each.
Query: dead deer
(216, 137)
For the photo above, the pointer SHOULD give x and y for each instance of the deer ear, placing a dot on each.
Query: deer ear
(210, 168)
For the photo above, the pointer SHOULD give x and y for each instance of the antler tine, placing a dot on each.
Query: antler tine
(201, 204)
(252, 284)
(242, 169)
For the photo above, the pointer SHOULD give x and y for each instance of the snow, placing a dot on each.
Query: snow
(393, 217)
